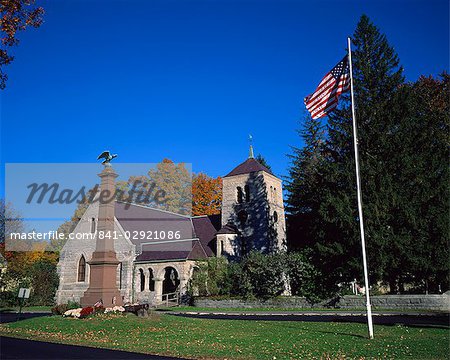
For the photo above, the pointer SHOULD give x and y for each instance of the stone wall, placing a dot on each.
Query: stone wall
(284, 302)
(416, 302)
(69, 288)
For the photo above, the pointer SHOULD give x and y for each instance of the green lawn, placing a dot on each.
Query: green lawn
(292, 310)
(219, 339)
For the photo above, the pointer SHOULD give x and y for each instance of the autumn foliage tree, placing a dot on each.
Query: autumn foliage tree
(34, 267)
(166, 186)
(16, 15)
(202, 191)
(181, 191)
(206, 195)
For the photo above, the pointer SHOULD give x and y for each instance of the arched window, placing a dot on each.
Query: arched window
(275, 196)
(247, 193)
(82, 269)
(142, 279)
(240, 195)
(275, 216)
(151, 281)
(120, 275)
(93, 225)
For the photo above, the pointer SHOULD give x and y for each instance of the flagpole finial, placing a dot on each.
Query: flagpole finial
(250, 153)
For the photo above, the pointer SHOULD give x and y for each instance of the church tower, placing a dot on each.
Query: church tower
(252, 211)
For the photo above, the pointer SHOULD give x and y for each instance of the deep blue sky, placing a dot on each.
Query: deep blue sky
(189, 80)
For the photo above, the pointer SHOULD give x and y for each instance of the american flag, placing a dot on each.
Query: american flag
(325, 98)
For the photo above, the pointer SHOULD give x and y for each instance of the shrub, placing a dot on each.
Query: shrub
(59, 309)
(73, 305)
(62, 308)
(304, 278)
(8, 298)
(44, 279)
(258, 276)
(263, 276)
(210, 278)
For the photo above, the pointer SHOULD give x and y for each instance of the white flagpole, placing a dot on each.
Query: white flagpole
(358, 186)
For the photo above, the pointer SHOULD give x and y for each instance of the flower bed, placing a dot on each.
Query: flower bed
(82, 313)
(86, 311)
(115, 309)
(73, 313)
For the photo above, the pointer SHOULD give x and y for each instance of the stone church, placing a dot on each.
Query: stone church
(252, 218)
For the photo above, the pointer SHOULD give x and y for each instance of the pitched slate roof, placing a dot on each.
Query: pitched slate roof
(248, 166)
(162, 255)
(136, 218)
(197, 252)
(216, 220)
(228, 229)
(206, 232)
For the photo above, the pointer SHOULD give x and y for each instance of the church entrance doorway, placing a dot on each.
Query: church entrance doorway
(171, 280)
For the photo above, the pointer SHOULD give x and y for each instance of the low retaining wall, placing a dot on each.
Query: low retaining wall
(282, 302)
(415, 302)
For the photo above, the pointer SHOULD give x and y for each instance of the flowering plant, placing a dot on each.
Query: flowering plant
(73, 313)
(115, 309)
(88, 310)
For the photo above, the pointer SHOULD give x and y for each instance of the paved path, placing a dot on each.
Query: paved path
(7, 317)
(11, 348)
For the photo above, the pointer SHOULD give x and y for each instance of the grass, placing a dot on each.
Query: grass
(274, 309)
(292, 310)
(165, 334)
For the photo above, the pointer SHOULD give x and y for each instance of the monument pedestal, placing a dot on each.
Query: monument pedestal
(103, 265)
(102, 281)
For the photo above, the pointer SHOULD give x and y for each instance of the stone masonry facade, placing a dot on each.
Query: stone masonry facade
(252, 219)
(70, 288)
(259, 217)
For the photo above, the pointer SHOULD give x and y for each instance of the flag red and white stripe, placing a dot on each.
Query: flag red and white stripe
(325, 99)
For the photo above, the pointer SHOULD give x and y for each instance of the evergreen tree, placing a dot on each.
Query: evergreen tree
(307, 228)
(377, 76)
(403, 144)
(263, 161)
(420, 164)
(303, 185)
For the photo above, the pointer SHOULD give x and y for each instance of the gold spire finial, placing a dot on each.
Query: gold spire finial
(250, 154)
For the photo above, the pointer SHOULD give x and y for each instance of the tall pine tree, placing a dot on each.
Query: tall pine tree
(377, 76)
(303, 185)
